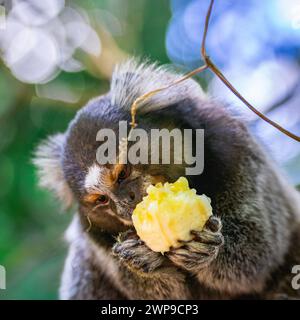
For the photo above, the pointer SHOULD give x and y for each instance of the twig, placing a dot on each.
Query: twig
(219, 74)
(208, 65)
(149, 94)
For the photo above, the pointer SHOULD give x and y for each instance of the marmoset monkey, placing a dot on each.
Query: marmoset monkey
(247, 248)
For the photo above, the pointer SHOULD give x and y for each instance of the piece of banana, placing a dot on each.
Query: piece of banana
(168, 213)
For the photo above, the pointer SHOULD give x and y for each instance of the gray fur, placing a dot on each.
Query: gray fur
(247, 248)
(47, 159)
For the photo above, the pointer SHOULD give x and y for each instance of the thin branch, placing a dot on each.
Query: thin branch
(149, 94)
(207, 18)
(219, 74)
(209, 65)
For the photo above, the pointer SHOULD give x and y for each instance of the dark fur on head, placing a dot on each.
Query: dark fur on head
(243, 246)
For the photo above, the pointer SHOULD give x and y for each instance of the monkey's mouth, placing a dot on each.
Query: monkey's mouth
(125, 220)
(125, 216)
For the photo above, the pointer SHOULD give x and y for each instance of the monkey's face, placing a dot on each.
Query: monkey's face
(107, 194)
(112, 192)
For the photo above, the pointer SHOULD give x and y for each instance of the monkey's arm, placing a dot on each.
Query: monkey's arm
(145, 274)
(251, 203)
(254, 247)
(129, 270)
(255, 241)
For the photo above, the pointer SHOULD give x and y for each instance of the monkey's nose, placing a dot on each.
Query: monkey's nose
(131, 195)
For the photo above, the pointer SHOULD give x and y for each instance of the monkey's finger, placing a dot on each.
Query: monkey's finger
(191, 248)
(214, 224)
(188, 261)
(201, 248)
(127, 245)
(116, 249)
(184, 256)
(208, 237)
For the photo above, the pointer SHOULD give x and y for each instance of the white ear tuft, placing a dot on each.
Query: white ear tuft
(47, 159)
(133, 78)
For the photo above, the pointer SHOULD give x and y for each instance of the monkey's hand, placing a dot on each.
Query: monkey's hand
(198, 253)
(133, 252)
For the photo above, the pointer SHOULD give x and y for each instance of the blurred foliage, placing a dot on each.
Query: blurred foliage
(31, 229)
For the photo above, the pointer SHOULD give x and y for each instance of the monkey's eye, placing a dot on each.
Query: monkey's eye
(102, 199)
(124, 173)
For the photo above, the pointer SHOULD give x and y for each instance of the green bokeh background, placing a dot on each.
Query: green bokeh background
(32, 223)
